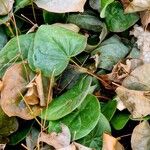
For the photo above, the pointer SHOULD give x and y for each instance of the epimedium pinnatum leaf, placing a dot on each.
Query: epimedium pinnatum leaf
(69, 101)
(117, 20)
(80, 121)
(53, 47)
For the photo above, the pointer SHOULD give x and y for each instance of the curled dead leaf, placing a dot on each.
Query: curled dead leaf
(1, 85)
(31, 97)
(137, 102)
(145, 18)
(111, 143)
(140, 139)
(14, 86)
(57, 140)
(136, 5)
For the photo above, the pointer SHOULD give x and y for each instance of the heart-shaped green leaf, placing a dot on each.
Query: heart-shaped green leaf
(80, 121)
(117, 20)
(69, 101)
(53, 47)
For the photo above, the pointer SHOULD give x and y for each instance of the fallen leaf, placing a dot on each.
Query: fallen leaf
(137, 102)
(138, 79)
(57, 140)
(143, 42)
(111, 143)
(40, 89)
(61, 6)
(1, 85)
(140, 139)
(137, 5)
(31, 97)
(14, 85)
(6, 6)
(145, 18)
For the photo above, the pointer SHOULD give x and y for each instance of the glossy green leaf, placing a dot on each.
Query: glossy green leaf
(109, 109)
(86, 21)
(110, 52)
(21, 133)
(69, 101)
(119, 120)
(117, 20)
(104, 4)
(94, 138)
(53, 47)
(80, 121)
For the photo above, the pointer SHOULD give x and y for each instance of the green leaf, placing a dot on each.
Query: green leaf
(21, 133)
(69, 101)
(94, 138)
(53, 48)
(110, 52)
(117, 20)
(104, 4)
(86, 21)
(21, 4)
(119, 120)
(3, 38)
(8, 125)
(80, 121)
(11, 52)
(51, 18)
(109, 109)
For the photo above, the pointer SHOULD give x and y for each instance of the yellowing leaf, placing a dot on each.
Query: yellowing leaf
(140, 139)
(137, 102)
(111, 143)
(61, 6)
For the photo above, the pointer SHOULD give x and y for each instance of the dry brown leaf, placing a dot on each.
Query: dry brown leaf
(61, 6)
(143, 42)
(111, 143)
(145, 18)
(14, 85)
(137, 5)
(1, 85)
(5, 6)
(31, 97)
(137, 102)
(40, 90)
(140, 139)
(75, 146)
(57, 140)
(138, 79)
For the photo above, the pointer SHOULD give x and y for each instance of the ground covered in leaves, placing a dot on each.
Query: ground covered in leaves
(74, 74)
